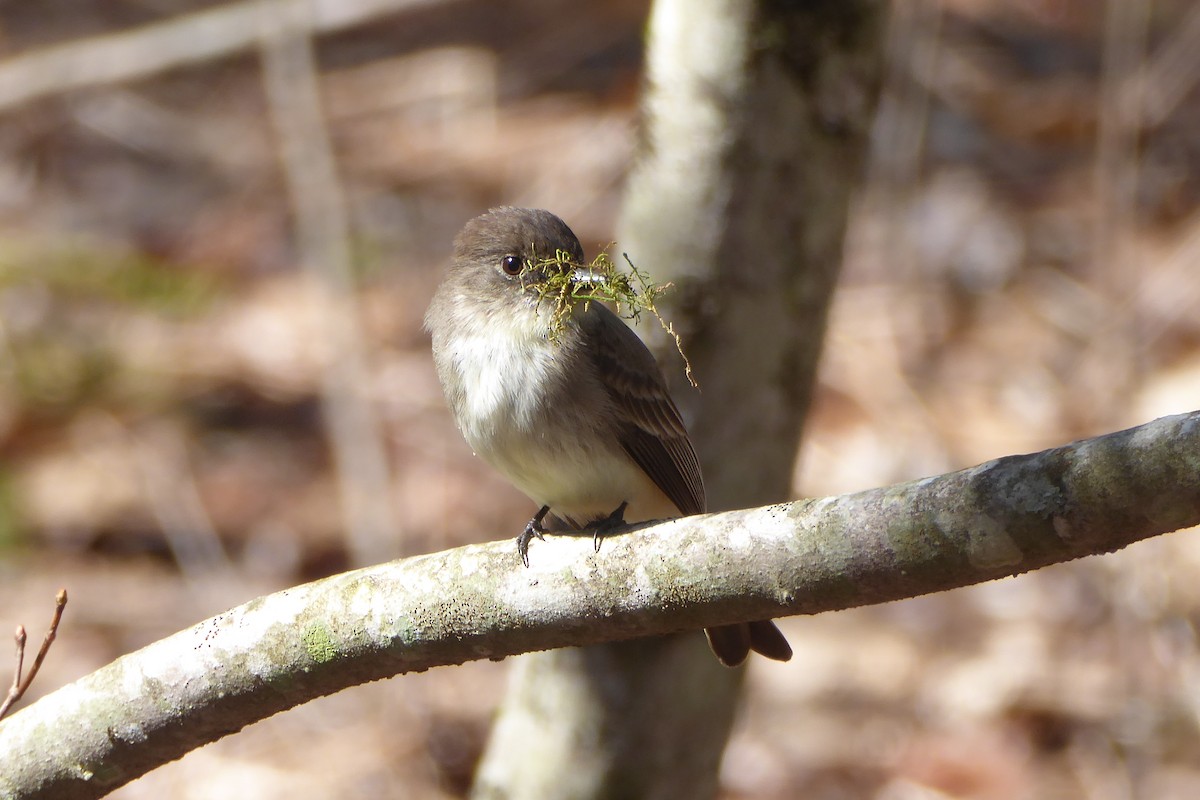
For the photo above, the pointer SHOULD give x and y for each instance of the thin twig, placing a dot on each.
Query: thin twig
(14, 691)
(19, 686)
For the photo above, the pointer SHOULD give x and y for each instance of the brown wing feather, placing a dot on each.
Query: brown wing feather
(653, 433)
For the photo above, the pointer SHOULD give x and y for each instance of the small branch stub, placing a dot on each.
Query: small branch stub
(19, 686)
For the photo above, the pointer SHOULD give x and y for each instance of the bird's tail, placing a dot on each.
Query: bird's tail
(732, 643)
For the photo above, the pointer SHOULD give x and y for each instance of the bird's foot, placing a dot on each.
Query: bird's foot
(609, 524)
(532, 528)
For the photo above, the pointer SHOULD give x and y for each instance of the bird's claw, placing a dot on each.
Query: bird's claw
(532, 528)
(609, 524)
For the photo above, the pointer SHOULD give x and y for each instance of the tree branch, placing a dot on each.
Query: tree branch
(160, 46)
(21, 684)
(1000, 518)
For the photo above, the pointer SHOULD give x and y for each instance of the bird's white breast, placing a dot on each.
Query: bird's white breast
(558, 454)
(502, 380)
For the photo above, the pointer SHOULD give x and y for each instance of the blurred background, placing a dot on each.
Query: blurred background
(191, 417)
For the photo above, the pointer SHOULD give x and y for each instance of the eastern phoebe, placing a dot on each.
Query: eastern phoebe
(577, 416)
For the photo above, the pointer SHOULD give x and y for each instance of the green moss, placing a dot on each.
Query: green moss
(94, 273)
(53, 372)
(10, 516)
(65, 352)
(557, 279)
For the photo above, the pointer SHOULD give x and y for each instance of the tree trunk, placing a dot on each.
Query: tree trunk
(756, 120)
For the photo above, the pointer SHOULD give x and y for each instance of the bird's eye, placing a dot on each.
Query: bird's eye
(511, 265)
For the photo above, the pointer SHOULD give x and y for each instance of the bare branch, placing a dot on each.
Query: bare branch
(14, 691)
(998, 519)
(19, 686)
(179, 41)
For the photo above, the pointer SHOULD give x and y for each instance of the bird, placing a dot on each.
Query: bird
(572, 408)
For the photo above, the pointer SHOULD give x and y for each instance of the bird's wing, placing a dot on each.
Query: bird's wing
(652, 432)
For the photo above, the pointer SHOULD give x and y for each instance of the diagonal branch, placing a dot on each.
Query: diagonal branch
(1000, 518)
(175, 42)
